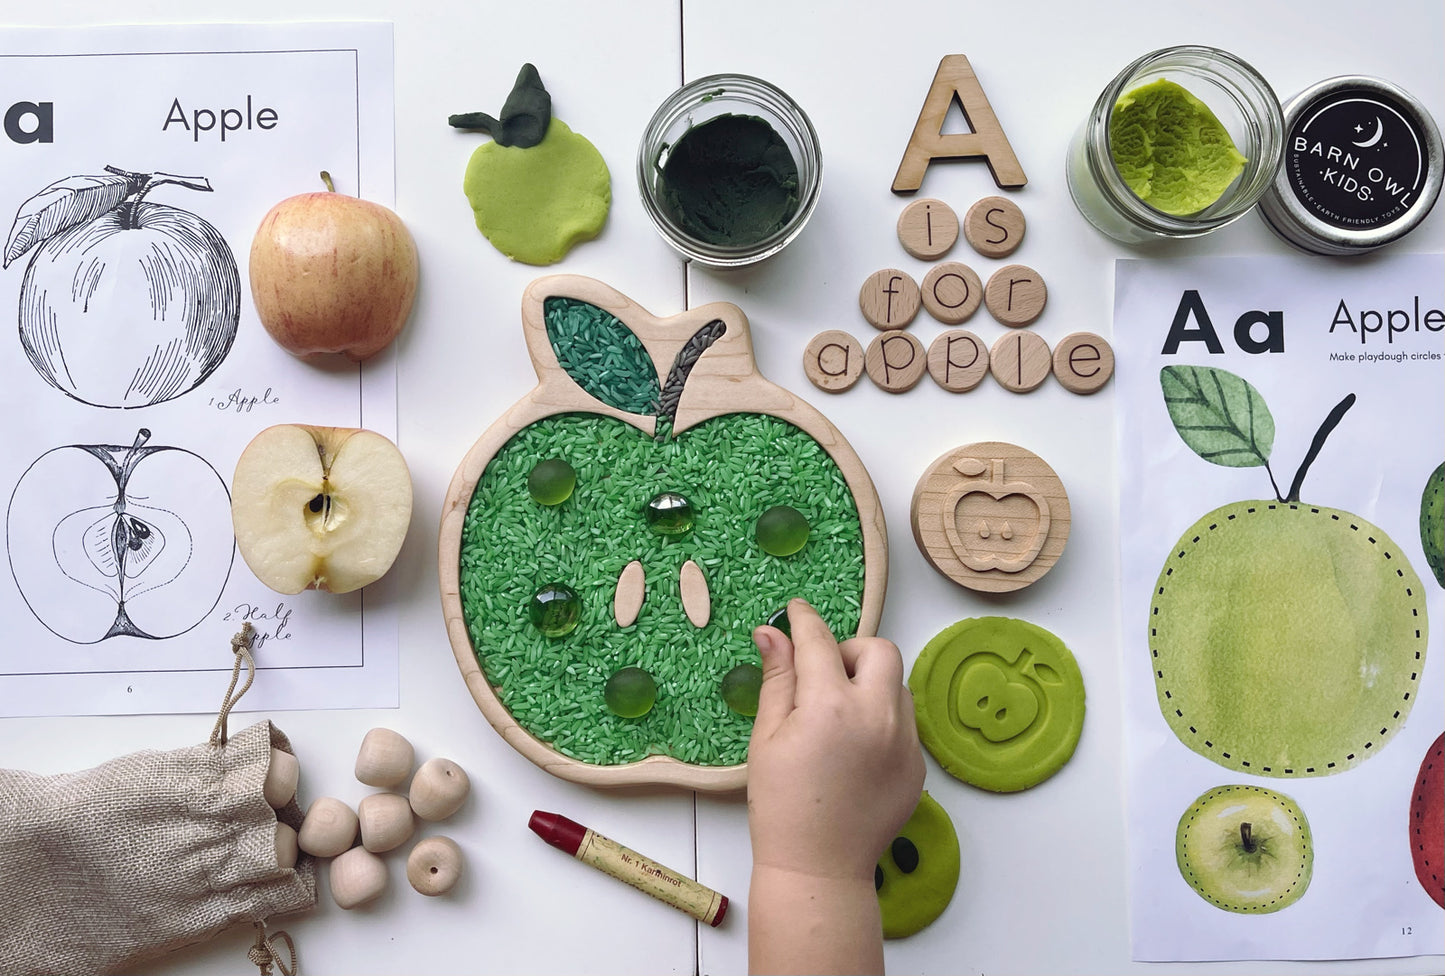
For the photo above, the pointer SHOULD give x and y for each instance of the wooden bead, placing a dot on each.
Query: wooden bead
(357, 877)
(286, 846)
(438, 789)
(1083, 362)
(958, 361)
(282, 775)
(994, 227)
(889, 299)
(434, 865)
(952, 292)
(927, 229)
(329, 827)
(1015, 295)
(696, 600)
(896, 362)
(833, 361)
(386, 821)
(631, 589)
(1020, 361)
(385, 759)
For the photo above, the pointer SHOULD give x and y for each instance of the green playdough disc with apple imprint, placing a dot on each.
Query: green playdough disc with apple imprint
(916, 877)
(1000, 702)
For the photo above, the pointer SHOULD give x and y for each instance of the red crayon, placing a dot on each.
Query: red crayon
(624, 864)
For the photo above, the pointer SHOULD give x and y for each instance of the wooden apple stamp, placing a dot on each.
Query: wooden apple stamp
(991, 516)
(609, 544)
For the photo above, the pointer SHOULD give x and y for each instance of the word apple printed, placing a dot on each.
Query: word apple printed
(125, 302)
(112, 540)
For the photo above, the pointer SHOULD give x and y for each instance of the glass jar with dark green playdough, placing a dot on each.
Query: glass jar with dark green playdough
(1182, 142)
(729, 169)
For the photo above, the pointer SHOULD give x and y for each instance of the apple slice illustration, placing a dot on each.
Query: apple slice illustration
(996, 524)
(613, 521)
(111, 540)
(1286, 638)
(125, 302)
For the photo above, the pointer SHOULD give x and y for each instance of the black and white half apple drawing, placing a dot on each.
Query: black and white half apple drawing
(125, 302)
(110, 540)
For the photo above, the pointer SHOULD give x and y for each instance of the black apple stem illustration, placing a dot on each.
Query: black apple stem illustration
(1330, 422)
(1246, 837)
(143, 183)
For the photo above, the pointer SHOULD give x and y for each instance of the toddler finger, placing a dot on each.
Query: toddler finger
(815, 652)
(780, 680)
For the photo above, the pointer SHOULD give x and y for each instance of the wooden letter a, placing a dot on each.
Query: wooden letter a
(955, 79)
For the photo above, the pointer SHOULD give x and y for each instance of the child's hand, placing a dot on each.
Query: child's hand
(834, 766)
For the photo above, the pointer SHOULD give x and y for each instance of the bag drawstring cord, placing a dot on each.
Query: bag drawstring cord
(241, 647)
(264, 952)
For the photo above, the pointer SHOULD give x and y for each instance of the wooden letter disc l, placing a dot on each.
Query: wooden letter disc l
(955, 79)
(992, 516)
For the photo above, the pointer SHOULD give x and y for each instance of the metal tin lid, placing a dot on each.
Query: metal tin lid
(1362, 167)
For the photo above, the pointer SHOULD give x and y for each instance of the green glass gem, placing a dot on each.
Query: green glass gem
(740, 688)
(551, 482)
(555, 609)
(782, 530)
(630, 693)
(669, 513)
(779, 619)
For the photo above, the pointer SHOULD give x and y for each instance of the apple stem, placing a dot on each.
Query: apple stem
(143, 183)
(1330, 422)
(326, 178)
(1246, 836)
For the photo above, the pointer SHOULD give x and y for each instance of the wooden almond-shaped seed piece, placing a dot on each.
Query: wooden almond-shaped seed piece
(631, 589)
(384, 759)
(386, 821)
(357, 877)
(434, 865)
(438, 789)
(286, 846)
(282, 776)
(696, 600)
(329, 827)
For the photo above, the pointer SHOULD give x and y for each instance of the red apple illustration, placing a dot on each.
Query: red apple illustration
(107, 540)
(1427, 822)
(125, 303)
(996, 523)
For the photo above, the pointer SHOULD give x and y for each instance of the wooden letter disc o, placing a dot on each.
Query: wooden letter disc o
(994, 227)
(1015, 295)
(952, 292)
(927, 229)
(896, 362)
(958, 360)
(889, 299)
(992, 516)
(833, 361)
(1083, 362)
(1020, 361)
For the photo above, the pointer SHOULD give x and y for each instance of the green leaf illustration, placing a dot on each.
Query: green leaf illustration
(1219, 415)
(602, 355)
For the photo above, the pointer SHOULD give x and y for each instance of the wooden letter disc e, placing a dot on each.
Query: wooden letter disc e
(1083, 362)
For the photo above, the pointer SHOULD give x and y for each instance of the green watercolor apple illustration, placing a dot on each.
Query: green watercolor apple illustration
(1432, 523)
(125, 302)
(1286, 638)
(629, 490)
(1245, 849)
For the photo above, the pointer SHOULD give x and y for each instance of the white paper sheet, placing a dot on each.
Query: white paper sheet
(255, 112)
(1363, 900)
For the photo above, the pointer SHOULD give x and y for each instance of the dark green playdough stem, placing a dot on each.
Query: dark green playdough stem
(730, 181)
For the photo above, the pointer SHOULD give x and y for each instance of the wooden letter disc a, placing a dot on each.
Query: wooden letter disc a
(992, 516)
(833, 361)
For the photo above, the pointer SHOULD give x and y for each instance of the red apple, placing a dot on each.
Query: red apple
(1427, 822)
(331, 273)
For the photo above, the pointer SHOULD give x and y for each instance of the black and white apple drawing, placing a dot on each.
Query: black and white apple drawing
(110, 540)
(125, 303)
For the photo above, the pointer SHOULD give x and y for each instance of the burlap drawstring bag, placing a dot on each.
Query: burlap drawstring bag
(108, 867)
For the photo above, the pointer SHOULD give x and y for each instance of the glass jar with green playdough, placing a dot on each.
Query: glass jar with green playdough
(1183, 141)
(729, 168)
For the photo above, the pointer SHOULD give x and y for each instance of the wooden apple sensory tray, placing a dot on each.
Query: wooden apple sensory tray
(612, 522)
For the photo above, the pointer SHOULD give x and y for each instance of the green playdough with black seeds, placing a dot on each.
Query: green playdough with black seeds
(916, 877)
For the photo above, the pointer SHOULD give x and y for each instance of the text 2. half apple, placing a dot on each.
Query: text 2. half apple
(613, 563)
(125, 302)
(1287, 639)
(112, 540)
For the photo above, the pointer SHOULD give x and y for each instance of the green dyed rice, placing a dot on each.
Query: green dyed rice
(732, 469)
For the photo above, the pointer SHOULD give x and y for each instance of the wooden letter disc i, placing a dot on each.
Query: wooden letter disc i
(955, 79)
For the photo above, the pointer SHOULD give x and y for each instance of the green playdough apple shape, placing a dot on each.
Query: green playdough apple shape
(1287, 639)
(918, 873)
(538, 188)
(1245, 849)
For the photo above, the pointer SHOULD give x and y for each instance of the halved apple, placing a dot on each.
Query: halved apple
(320, 508)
